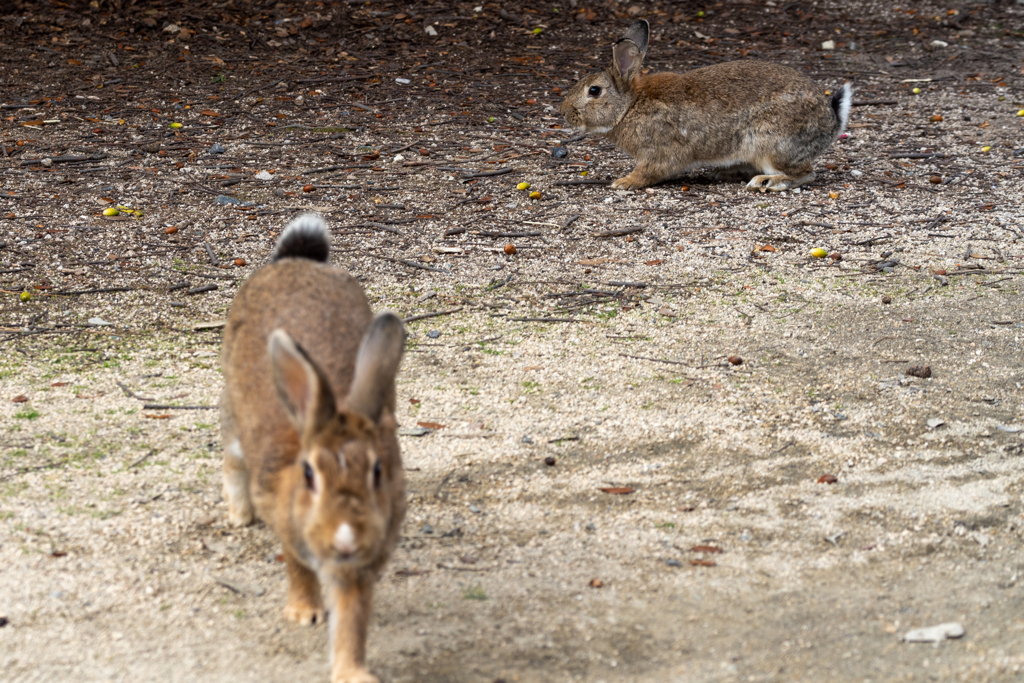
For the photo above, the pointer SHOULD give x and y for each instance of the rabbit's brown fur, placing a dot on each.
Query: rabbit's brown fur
(310, 436)
(745, 117)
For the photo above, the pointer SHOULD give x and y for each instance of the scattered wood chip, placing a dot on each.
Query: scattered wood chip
(706, 549)
(617, 490)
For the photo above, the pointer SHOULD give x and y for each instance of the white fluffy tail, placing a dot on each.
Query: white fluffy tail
(841, 102)
(305, 237)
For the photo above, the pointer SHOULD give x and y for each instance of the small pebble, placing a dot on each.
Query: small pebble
(735, 360)
(559, 152)
(427, 529)
(510, 249)
(934, 634)
(886, 299)
(526, 439)
(550, 461)
(922, 371)
(433, 334)
(217, 148)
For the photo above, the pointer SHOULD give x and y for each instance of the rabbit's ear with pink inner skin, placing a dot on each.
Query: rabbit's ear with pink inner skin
(301, 385)
(628, 53)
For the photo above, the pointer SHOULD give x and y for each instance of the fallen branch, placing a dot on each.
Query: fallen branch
(424, 316)
(160, 406)
(619, 233)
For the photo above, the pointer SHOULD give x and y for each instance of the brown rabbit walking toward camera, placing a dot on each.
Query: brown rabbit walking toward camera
(747, 118)
(309, 432)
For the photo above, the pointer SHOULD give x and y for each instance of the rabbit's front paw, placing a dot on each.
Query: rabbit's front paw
(354, 676)
(304, 613)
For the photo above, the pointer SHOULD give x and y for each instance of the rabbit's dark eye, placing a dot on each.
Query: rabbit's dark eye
(595, 91)
(307, 471)
(376, 474)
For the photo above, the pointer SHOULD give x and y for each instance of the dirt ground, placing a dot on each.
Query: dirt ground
(584, 361)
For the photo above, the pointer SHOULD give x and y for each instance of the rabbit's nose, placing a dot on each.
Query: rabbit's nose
(345, 539)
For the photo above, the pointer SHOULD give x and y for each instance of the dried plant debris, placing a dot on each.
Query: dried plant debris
(570, 405)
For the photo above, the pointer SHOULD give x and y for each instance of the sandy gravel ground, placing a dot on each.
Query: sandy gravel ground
(577, 364)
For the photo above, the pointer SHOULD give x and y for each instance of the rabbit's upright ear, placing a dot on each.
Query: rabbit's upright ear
(376, 366)
(628, 53)
(301, 385)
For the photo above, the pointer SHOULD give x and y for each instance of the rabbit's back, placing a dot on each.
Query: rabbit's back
(725, 113)
(325, 310)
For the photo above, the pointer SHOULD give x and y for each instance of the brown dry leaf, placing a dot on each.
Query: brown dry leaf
(656, 262)
(414, 401)
(209, 112)
(827, 479)
(104, 201)
(431, 425)
(596, 583)
(706, 549)
(59, 384)
(617, 490)
(216, 60)
(75, 62)
(594, 261)
(766, 247)
(703, 563)
(20, 399)
(165, 416)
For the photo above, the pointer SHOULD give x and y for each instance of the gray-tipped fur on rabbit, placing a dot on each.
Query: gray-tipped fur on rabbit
(747, 118)
(309, 433)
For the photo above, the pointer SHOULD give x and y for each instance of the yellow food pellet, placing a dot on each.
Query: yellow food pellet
(833, 195)
(1020, 113)
(537, 31)
(25, 296)
(535, 195)
(523, 186)
(985, 148)
(818, 252)
(175, 125)
(111, 212)
(916, 91)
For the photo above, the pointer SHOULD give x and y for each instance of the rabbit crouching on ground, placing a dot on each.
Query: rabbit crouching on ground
(747, 118)
(309, 433)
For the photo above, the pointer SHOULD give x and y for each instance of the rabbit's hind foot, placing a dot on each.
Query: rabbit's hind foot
(236, 486)
(778, 183)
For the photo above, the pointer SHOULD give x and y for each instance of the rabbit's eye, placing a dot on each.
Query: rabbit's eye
(307, 471)
(376, 474)
(595, 91)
